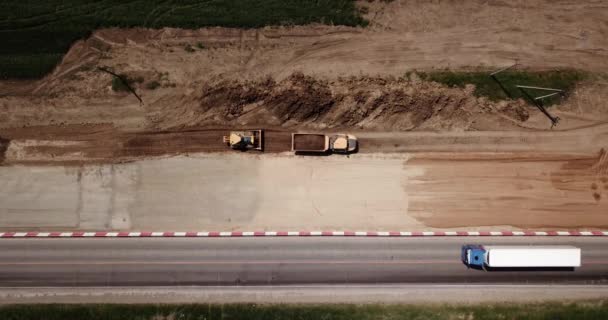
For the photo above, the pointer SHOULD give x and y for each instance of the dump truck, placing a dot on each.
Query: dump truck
(514, 257)
(245, 140)
(321, 143)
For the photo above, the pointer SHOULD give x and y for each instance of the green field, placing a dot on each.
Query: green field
(550, 311)
(485, 86)
(35, 34)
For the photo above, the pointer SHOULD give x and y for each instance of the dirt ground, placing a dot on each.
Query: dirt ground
(84, 144)
(325, 76)
(536, 193)
(284, 192)
(491, 163)
(76, 145)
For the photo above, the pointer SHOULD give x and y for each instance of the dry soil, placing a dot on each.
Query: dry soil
(477, 162)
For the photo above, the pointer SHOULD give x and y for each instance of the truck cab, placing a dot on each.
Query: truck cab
(473, 256)
(343, 143)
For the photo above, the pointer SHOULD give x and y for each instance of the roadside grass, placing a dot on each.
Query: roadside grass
(553, 311)
(36, 34)
(119, 85)
(486, 86)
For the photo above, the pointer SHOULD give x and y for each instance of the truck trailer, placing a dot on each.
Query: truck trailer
(513, 257)
(321, 143)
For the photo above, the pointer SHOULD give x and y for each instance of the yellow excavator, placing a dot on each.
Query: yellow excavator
(245, 140)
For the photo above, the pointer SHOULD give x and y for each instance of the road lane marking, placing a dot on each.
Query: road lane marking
(261, 262)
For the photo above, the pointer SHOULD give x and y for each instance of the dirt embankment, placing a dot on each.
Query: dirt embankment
(403, 36)
(303, 101)
(307, 78)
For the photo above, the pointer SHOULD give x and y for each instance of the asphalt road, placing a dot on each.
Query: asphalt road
(273, 261)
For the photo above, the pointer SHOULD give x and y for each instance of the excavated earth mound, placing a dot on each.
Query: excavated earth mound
(352, 102)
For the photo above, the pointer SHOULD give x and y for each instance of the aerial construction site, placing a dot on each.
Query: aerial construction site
(430, 116)
(493, 163)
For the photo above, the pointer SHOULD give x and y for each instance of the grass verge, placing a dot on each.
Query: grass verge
(36, 34)
(486, 86)
(553, 311)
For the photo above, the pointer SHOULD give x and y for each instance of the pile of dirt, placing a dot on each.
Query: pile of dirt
(3, 146)
(383, 103)
(301, 98)
(229, 97)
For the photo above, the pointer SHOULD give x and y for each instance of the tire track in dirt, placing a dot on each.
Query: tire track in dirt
(521, 193)
(80, 144)
(584, 175)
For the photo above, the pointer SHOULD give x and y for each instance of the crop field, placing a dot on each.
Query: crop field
(36, 34)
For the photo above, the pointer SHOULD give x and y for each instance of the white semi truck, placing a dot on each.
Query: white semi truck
(513, 257)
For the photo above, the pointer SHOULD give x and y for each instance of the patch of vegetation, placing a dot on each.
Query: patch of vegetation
(118, 85)
(36, 34)
(152, 85)
(138, 79)
(486, 86)
(200, 45)
(586, 310)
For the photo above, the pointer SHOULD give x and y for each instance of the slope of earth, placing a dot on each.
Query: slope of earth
(36, 35)
(404, 35)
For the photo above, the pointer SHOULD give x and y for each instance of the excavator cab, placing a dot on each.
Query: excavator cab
(245, 140)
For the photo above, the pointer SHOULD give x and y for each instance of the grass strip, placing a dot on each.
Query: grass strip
(485, 86)
(553, 311)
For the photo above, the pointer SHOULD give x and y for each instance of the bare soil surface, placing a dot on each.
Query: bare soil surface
(75, 145)
(545, 192)
(81, 144)
(236, 191)
(490, 163)
(325, 76)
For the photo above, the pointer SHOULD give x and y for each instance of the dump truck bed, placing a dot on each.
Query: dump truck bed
(309, 142)
(533, 256)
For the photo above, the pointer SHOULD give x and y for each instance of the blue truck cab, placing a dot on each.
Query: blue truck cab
(473, 256)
